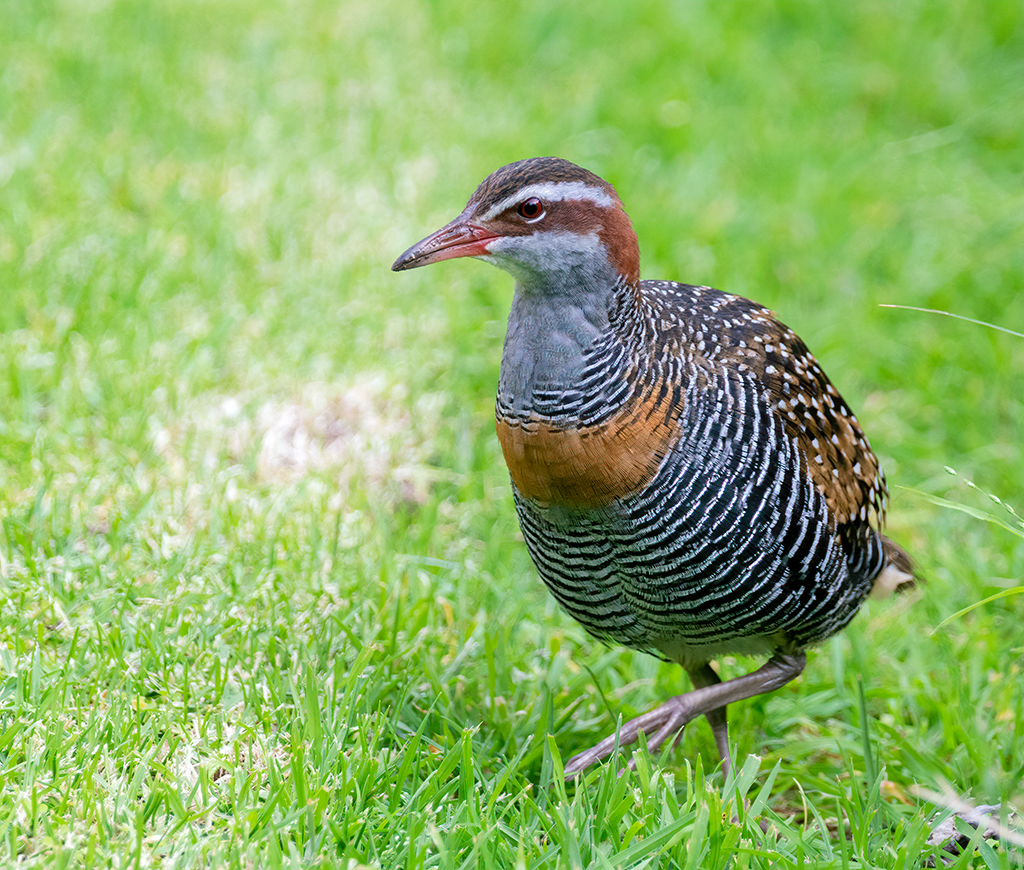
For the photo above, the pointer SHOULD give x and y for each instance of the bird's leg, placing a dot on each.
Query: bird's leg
(701, 676)
(668, 719)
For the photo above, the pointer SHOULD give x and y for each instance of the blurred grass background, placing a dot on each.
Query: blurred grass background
(262, 594)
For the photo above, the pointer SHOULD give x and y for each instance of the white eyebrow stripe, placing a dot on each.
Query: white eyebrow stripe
(553, 191)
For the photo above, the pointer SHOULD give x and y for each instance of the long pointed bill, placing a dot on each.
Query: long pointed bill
(457, 239)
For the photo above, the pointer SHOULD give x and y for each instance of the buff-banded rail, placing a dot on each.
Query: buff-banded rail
(688, 481)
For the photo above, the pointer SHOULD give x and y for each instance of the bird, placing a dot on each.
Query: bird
(688, 481)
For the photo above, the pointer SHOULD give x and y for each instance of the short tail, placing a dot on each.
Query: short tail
(898, 575)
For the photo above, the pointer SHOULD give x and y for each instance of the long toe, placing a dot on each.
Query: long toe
(661, 723)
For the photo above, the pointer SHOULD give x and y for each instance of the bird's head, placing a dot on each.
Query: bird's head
(547, 221)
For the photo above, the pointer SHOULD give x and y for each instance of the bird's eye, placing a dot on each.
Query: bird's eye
(531, 209)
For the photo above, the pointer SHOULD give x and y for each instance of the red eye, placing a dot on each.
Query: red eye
(531, 208)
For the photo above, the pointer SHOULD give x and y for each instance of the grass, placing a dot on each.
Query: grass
(263, 601)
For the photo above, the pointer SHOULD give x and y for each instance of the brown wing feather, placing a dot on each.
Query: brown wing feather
(839, 458)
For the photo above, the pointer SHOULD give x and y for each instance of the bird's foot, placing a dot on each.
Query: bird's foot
(710, 696)
(661, 723)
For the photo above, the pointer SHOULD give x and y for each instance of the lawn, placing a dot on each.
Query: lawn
(263, 597)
